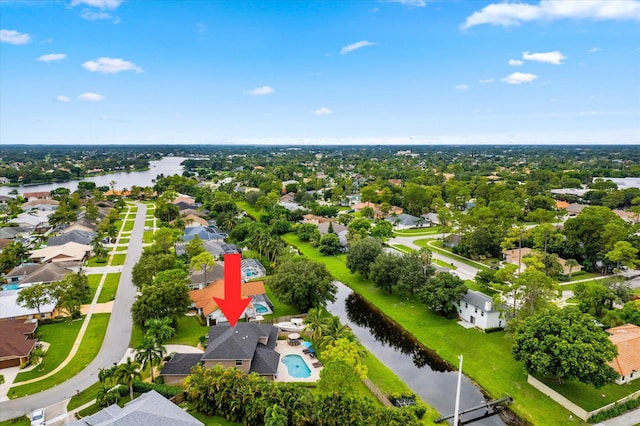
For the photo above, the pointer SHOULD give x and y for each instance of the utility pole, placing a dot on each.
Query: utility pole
(457, 409)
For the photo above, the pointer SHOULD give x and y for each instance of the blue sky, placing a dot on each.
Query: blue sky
(361, 71)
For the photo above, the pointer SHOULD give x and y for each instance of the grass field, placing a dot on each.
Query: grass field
(94, 282)
(128, 225)
(118, 259)
(89, 348)
(89, 394)
(252, 212)
(418, 231)
(124, 240)
(61, 337)
(93, 262)
(109, 288)
(436, 246)
(488, 358)
(147, 237)
(279, 308)
(20, 421)
(405, 249)
(148, 223)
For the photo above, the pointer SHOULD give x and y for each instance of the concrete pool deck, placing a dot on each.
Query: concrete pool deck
(283, 348)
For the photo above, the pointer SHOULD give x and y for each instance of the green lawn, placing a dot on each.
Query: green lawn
(128, 225)
(252, 212)
(436, 246)
(210, 420)
(488, 359)
(578, 276)
(148, 223)
(406, 249)
(20, 421)
(584, 395)
(89, 394)
(94, 282)
(188, 332)
(87, 351)
(118, 259)
(109, 288)
(133, 209)
(418, 231)
(147, 237)
(124, 240)
(279, 308)
(122, 247)
(61, 337)
(118, 224)
(92, 262)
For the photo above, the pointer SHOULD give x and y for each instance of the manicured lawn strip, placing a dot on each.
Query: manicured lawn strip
(133, 209)
(253, 213)
(89, 394)
(437, 247)
(136, 337)
(147, 237)
(122, 247)
(488, 358)
(279, 308)
(188, 332)
(118, 224)
(19, 421)
(61, 336)
(109, 288)
(124, 240)
(118, 259)
(93, 262)
(405, 249)
(587, 398)
(418, 231)
(579, 276)
(148, 223)
(211, 420)
(128, 225)
(94, 282)
(89, 348)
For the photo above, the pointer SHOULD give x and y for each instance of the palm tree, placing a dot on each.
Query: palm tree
(333, 330)
(127, 373)
(314, 322)
(160, 329)
(571, 263)
(150, 353)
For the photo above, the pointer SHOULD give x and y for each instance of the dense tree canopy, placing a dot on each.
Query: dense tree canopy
(303, 283)
(362, 253)
(567, 345)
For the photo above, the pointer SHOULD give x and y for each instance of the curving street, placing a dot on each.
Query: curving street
(114, 346)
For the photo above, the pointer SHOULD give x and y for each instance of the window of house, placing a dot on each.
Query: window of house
(500, 323)
(482, 313)
(476, 310)
(466, 305)
(238, 362)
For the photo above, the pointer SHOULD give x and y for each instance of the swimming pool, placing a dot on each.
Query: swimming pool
(261, 309)
(249, 273)
(10, 286)
(296, 366)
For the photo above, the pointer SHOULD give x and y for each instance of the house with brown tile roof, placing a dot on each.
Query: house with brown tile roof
(192, 220)
(203, 300)
(41, 195)
(69, 252)
(627, 364)
(17, 341)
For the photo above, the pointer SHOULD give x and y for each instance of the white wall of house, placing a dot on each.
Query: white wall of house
(480, 316)
(621, 380)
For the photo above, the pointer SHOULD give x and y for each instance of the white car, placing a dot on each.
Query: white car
(37, 417)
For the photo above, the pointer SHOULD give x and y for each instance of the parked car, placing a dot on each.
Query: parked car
(37, 417)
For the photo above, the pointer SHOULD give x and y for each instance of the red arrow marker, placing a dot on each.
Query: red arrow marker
(232, 305)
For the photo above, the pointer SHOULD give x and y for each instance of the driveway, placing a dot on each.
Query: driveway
(116, 340)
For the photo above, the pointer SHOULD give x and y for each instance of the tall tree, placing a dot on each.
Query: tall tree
(149, 353)
(567, 345)
(442, 292)
(386, 271)
(203, 261)
(160, 329)
(33, 296)
(623, 253)
(168, 296)
(303, 283)
(362, 253)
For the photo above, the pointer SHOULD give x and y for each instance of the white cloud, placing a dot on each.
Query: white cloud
(110, 65)
(356, 46)
(462, 87)
(63, 99)
(51, 57)
(323, 111)
(261, 91)
(102, 4)
(91, 97)
(594, 50)
(90, 15)
(554, 57)
(513, 14)
(515, 62)
(14, 37)
(487, 80)
(519, 78)
(413, 3)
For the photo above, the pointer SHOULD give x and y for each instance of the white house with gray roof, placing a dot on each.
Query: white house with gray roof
(479, 310)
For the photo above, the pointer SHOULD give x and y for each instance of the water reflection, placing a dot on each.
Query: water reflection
(386, 331)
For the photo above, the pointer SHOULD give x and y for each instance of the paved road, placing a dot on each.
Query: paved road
(116, 340)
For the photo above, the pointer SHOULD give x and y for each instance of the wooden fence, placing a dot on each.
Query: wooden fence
(374, 389)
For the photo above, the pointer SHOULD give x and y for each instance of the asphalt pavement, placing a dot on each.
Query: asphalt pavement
(114, 346)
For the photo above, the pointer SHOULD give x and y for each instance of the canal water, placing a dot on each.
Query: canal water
(430, 377)
(168, 166)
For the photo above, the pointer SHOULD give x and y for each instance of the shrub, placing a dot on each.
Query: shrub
(615, 411)
(165, 390)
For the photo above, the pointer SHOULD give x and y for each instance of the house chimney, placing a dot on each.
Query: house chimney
(487, 306)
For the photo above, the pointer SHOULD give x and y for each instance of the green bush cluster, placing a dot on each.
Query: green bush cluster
(167, 391)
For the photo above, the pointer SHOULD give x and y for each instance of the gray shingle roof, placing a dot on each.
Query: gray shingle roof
(265, 361)
(478, 299)
(181, 364)
(148, 409)
(47, 273)
(237, 342)
(77, 236)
